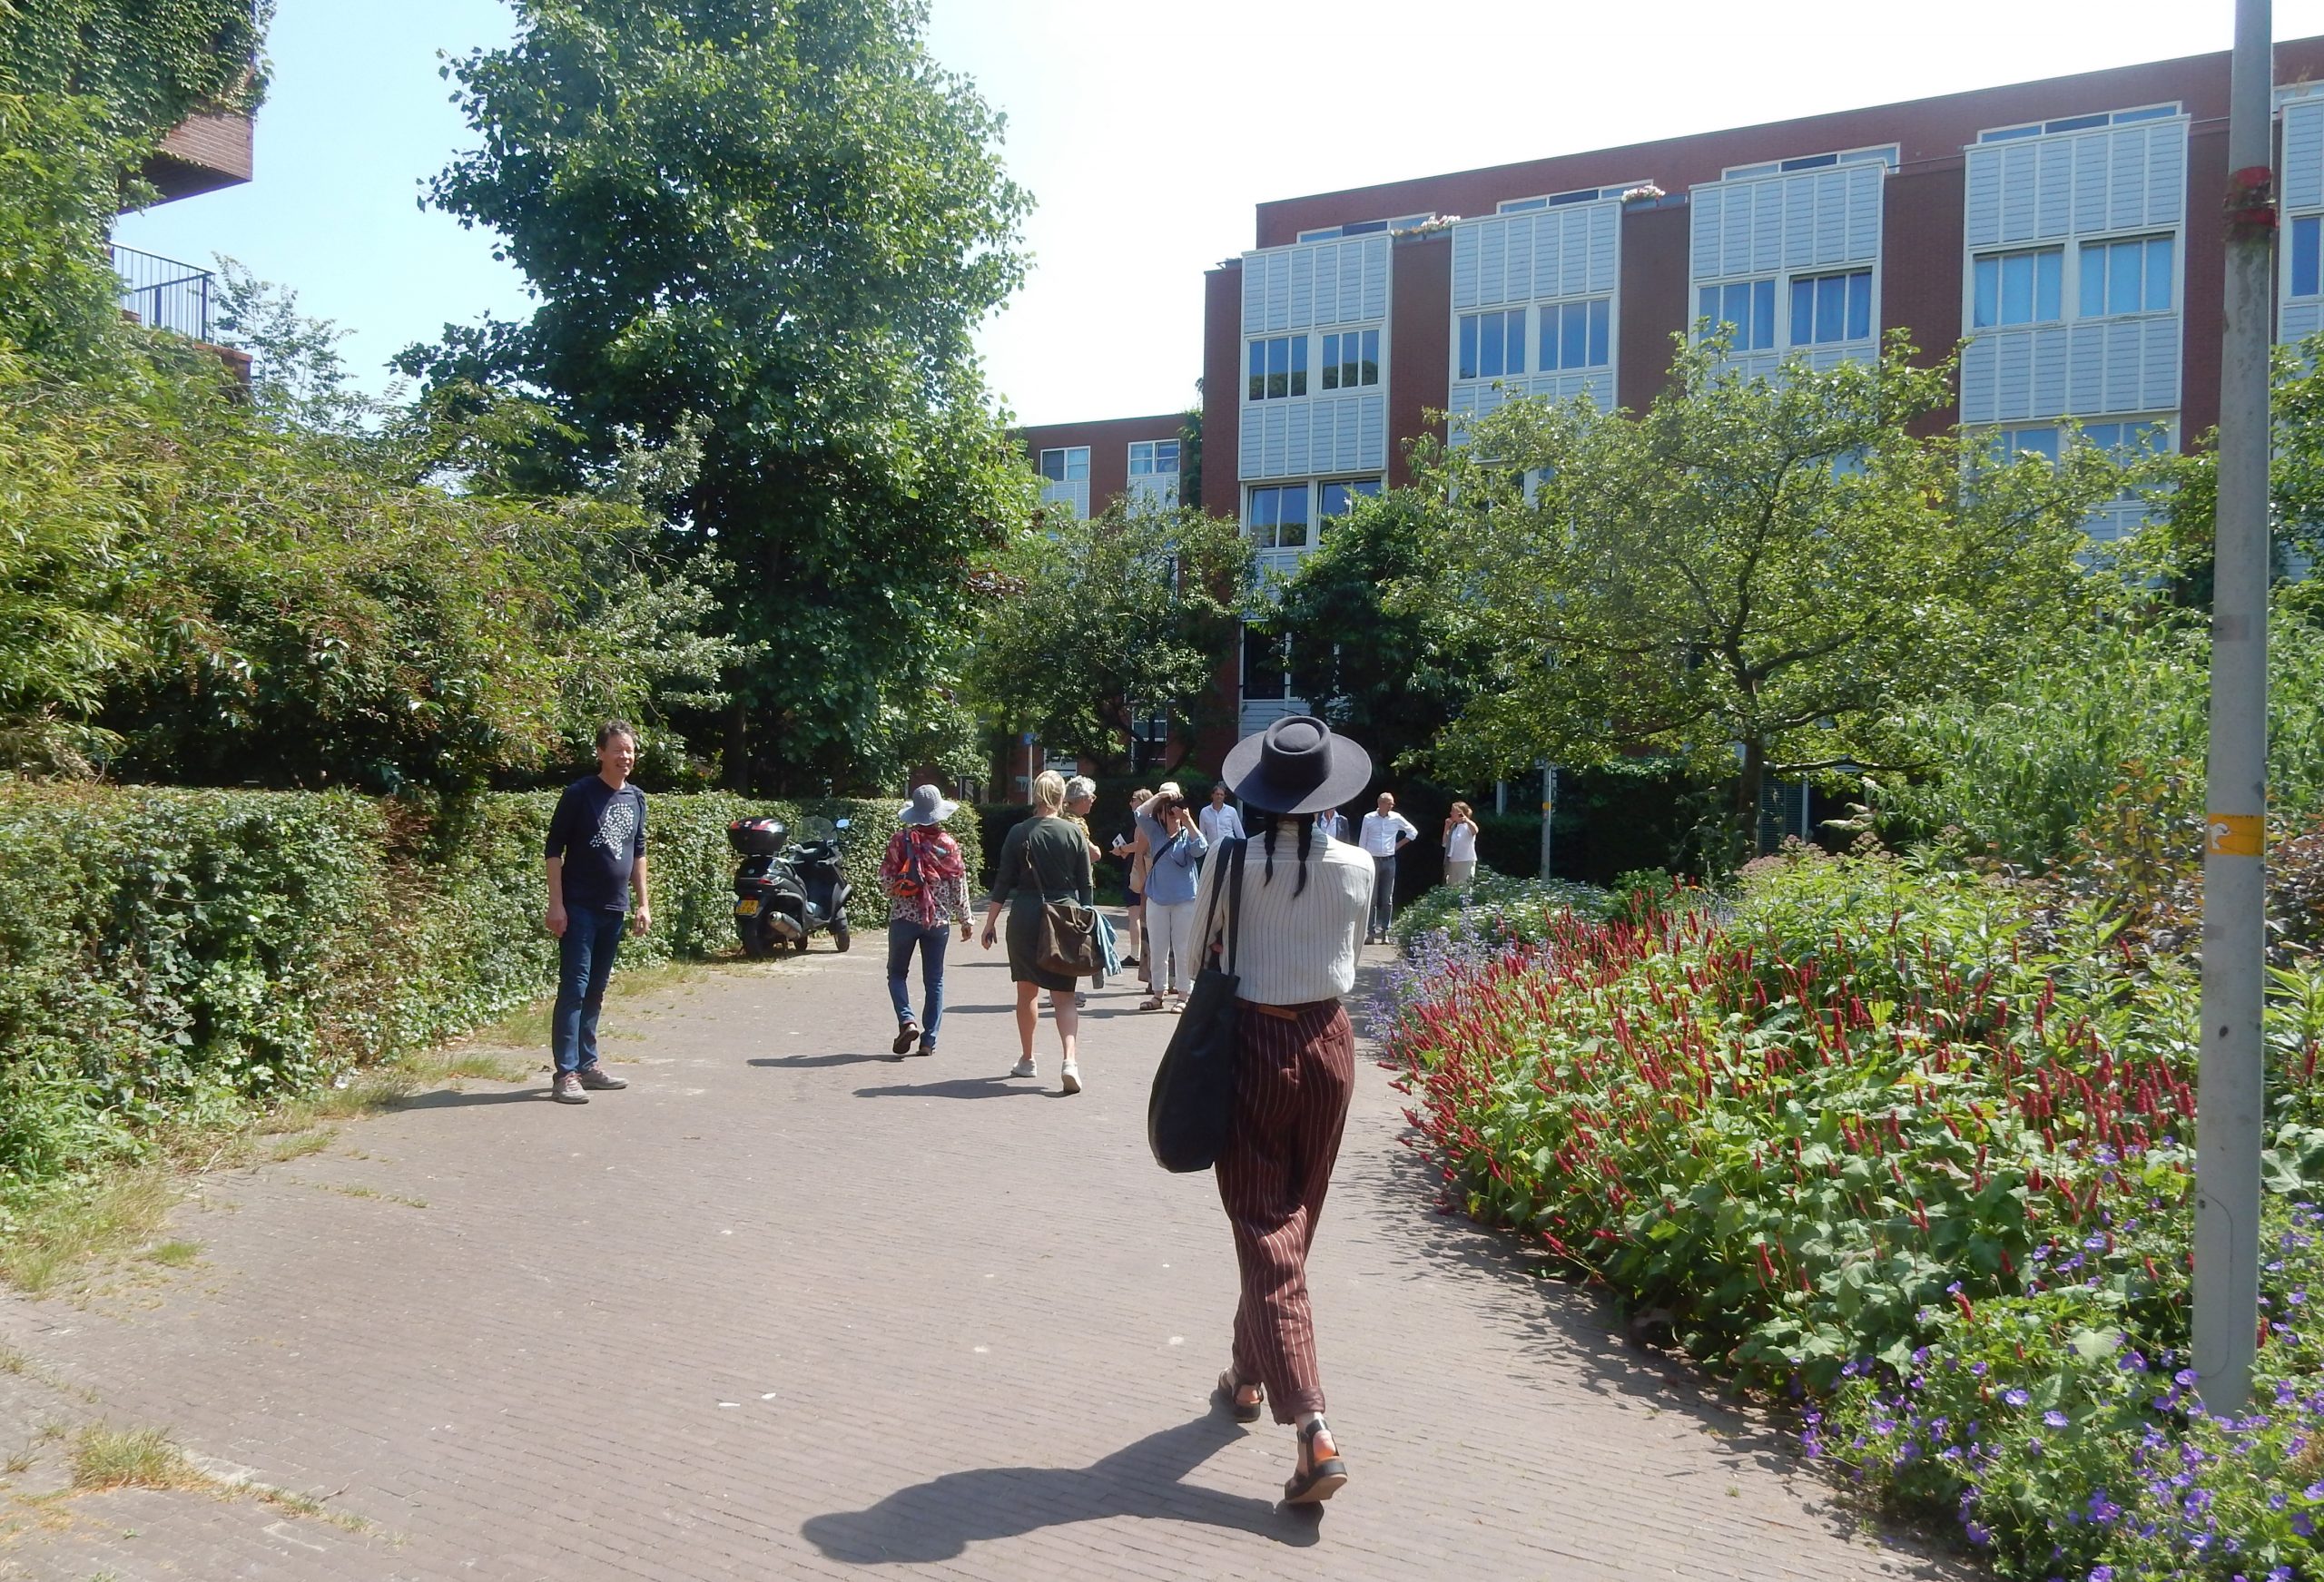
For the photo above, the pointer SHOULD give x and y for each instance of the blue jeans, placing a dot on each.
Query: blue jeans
(585, 960)
(903, 939)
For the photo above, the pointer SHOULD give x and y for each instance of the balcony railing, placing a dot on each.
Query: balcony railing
(165, 294)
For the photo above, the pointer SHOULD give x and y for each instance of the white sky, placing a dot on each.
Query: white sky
(1146, 132)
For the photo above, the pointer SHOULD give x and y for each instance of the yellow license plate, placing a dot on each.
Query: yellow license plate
(747, 909)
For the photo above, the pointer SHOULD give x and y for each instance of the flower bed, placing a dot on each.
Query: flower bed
(1872, 1138)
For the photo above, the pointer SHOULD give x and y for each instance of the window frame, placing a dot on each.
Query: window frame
(1367, 487)
(1596, 316)
(1260, 350)
(1468, 342)
(2306, 235)
(2101, 249)
(1709, 315)
(1150, 447)
(1068, 476)
(1847, 300)
(1272, 537)
(2001, 259)
(1335, 363)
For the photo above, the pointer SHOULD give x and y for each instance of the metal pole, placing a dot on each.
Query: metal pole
(2231, 1082)
(1548, 807)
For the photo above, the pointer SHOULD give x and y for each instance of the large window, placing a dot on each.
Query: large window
(1266, 663)
(1576, 335)
(1067, 466)
(1748, 306)
(1831, 308)
(1337, 497)
(2125, 276)
(1492, 344)
(1154, 458)
(2304, 240)
(1278, 367)
(1278, 517)
(2018, 288)
(2124, 441)
(1351, 360)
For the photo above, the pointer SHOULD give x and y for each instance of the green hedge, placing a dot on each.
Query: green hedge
(182, 955)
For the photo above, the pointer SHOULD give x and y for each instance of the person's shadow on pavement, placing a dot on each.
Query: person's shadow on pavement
(938, 1519)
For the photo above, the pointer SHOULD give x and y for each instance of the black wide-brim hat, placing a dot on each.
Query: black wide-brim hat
(1297, 765)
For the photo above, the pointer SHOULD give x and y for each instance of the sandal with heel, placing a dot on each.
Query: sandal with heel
(1319, 1476)
(1229, 1394)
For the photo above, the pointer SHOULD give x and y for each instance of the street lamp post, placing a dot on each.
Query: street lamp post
(2231, 1080)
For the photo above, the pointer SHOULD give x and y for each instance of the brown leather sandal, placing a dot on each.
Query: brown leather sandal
(1229, 1394)
(1320, 1476)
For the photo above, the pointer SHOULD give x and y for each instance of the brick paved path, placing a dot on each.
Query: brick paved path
(789, 1307)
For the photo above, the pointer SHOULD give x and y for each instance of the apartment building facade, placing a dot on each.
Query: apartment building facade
(2065, 234)
(1084, 467)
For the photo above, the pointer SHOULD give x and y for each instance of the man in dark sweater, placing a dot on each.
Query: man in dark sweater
(596, 857)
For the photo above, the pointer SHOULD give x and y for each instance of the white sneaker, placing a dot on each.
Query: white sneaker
(1070, 1077)
(1025, 1067)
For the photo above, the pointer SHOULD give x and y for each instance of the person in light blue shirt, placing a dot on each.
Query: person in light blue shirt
(1219, 821)
(1177, 845)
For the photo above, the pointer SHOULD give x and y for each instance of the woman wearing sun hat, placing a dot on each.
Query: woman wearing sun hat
(1304, 899)
(927, 883)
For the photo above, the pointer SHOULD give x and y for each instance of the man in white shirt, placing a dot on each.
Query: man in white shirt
(1385, 832)
(1219, 821)
(1332, 824)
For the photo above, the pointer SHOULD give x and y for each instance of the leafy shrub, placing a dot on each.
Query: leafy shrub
(1812, 1139)
(2022, 773)
(1496, 905)
(182, 955)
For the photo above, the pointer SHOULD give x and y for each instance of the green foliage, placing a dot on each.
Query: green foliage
(786, 221)
(60, 183)
(1786, 564)
(1410, 677)
(144, 64)
(2017, 775)
(1886, 1132)
(1498, 906)
(175, 955)
(1103, 616)
(200, 589)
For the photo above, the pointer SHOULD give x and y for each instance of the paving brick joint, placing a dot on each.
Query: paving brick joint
(792, 1306)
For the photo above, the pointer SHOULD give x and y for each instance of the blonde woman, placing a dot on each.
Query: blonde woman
(1461, 847)
(1045, 859)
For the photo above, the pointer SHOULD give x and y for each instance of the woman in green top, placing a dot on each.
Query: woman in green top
(1044, 858)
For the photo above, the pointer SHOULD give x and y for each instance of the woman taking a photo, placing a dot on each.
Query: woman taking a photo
(1303, 900)
(1460, 848)
(1045, 859)
(1177, 843)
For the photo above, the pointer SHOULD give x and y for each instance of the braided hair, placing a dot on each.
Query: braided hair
(1276, 822)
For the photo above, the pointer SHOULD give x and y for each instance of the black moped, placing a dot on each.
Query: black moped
(784, 895)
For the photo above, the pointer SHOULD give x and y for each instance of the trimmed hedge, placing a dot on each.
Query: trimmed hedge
(175, 954)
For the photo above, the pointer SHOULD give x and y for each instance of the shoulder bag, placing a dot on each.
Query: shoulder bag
(1193, 1102)
(1067, 942)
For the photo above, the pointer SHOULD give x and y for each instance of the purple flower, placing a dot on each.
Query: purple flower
(2102, 1573)
(1979, 1535)
(2102, 1509)
(2016, 1396)
(2054, 1417)
(2303, 1524)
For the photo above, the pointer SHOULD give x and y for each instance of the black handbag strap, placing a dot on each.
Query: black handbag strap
(1230, 879)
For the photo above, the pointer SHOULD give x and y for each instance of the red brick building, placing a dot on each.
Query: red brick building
(1087, 467)
(203, 153)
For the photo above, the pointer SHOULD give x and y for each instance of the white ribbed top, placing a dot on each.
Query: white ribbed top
(1295, 947)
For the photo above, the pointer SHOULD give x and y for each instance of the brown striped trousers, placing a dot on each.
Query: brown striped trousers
(1291, 1101)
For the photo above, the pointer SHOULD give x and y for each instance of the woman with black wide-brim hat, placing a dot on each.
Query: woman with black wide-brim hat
(1304, 900)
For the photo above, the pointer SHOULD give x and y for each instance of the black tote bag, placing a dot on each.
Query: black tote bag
(1193, 1103)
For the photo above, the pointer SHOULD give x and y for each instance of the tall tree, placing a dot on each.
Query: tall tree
(1754, 574)
(1106, 620)
(1388, 671)
(787, 220)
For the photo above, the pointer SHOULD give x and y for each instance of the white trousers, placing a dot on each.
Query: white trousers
(1169, 946)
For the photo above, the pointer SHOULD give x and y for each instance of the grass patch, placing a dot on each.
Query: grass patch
(104, 1456)
(487, 1066)
(300, 1143)
(527, 1026)
(53, 1236)
(175, 1254)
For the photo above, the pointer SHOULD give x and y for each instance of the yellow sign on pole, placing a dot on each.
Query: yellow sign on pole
(2235, 835)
